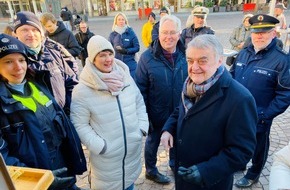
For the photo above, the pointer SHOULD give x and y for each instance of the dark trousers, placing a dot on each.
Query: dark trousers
(151, 148)
(260, 155)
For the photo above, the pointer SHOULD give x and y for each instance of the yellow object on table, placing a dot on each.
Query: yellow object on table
(22, 178)
(30, 178)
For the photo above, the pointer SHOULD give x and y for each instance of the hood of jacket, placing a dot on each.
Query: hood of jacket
(90, 78)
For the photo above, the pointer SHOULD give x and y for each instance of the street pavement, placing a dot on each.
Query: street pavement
(280, 136)
(223, 24)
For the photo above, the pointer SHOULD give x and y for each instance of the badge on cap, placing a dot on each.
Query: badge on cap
(260, 18)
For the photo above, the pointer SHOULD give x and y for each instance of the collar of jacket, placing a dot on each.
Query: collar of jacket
(213, 94)
(197, 29)
(60, 28)
(8, 103)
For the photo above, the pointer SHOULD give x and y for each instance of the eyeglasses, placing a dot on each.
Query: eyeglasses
(171, 33)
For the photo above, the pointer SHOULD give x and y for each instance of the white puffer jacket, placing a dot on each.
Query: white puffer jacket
(117, 121)
(280, 170)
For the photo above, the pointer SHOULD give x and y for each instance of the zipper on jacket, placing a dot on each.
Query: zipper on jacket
(125, 141)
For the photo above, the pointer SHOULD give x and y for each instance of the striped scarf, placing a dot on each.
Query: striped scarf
(192, 93)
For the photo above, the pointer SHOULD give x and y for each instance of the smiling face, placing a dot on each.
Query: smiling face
(168, 35)
(29, 35)
(13, 68)
(202, 64)
(104, 61)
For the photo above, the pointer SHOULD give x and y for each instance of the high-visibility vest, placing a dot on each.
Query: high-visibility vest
(36, 96)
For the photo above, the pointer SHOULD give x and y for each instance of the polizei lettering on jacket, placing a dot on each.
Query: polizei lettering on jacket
(8, 47)
(262, 72)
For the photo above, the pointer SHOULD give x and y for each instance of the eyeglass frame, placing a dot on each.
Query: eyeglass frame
(171, 33)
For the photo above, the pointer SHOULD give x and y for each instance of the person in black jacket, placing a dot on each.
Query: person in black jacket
(34, 130)
(59, 33)
(83, 37)
(66, 17)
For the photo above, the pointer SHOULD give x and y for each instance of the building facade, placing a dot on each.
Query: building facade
(8, 8)
(94, 8)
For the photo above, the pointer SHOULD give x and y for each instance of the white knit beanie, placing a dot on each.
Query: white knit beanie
(97, 44)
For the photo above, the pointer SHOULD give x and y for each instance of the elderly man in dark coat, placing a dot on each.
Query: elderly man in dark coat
(213, 129)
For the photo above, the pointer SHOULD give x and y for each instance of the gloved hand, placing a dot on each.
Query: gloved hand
(61, 182)
(121, 50)
(190, 174)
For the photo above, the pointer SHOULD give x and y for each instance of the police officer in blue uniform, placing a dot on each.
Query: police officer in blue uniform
(263, 68)
(198, 26)
(34, 130)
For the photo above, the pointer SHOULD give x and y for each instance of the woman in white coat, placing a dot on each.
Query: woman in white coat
(280, 170)
(110, 117)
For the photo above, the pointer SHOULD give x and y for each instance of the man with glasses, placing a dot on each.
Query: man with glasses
(160, 74)
(263, 68)
(83, 37)
(198, 25)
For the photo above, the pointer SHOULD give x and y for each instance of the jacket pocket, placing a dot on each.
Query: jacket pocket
(13, 133)
(262, 78)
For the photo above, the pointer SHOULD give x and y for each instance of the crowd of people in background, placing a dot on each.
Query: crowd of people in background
(178, 92)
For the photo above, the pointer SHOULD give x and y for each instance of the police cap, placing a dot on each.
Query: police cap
(9, 44)
(200, 11)
(262, 23)
(280, 6)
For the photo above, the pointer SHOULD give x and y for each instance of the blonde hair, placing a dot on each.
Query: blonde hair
(115, 20)
(8, 30)
(45, 17)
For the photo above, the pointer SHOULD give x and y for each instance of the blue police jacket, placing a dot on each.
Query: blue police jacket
(23, 142)
(266, 75)
(189, 33)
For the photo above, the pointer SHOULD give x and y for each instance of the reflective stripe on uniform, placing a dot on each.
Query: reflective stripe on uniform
(29, 101)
